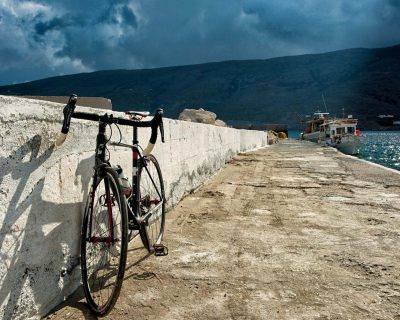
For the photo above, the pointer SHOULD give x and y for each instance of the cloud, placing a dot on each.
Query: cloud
(45, 38)
(56, 23)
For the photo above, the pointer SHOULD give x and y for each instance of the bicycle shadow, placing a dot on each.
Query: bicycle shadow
(76, 300)
(31, 230)
(136, 254)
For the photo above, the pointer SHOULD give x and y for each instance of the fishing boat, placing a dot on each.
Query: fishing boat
(341, 133)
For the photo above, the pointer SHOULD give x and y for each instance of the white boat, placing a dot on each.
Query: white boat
(312, 131)
(341, 133)
(349, 144)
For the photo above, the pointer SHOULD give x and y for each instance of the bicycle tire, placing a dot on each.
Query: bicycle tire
(146, 233)
(104, 308)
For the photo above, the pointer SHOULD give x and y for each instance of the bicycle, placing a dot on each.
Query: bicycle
(115, 210)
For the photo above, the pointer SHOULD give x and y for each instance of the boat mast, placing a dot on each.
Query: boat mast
(323, 99)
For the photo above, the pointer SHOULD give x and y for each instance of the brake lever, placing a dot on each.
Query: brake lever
(67, 111)
(159, 117)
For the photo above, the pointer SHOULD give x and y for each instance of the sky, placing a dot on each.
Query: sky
(39, 39)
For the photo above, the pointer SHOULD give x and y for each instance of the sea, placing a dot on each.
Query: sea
(382, 147)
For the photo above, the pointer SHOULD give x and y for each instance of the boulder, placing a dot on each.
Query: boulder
(201, 116)
(282, 135)
(220, 123)
(272, 137)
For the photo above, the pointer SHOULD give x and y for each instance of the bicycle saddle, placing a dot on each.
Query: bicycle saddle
(138, 113)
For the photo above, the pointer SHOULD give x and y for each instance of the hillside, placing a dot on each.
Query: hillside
(365, 82)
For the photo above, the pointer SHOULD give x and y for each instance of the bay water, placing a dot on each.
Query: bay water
(382, 147)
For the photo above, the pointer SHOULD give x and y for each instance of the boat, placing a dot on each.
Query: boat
(386, 120)
(341, 133)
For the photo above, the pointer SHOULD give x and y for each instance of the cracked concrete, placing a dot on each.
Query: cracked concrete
(256, 242)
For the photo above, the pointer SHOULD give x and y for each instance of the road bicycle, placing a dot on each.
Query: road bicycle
(117, 210)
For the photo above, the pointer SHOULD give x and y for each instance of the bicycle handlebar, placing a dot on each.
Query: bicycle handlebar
(69, 112)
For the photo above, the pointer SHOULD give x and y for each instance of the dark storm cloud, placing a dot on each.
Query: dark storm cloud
(56, 23)
(43, 38)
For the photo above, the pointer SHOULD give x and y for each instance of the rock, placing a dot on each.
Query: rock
(201, 116)
(272, 137)
(282, 135)
(220, 123)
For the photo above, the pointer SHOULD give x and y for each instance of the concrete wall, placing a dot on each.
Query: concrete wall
(94, 102)
(42, 190)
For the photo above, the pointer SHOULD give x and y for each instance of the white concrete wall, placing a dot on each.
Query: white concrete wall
(42, 192)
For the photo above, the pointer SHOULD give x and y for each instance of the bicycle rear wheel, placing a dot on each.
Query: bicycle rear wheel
(152, 199)
(104, 243)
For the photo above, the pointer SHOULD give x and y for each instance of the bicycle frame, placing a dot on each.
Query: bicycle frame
(100, 162)
(134, 200)
(136, 156)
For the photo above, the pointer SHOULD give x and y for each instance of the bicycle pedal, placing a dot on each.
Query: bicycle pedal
(160, 250)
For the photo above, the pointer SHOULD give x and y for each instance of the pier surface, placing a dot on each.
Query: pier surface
(294, 231)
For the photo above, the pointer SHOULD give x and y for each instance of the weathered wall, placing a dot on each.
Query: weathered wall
(42, 191)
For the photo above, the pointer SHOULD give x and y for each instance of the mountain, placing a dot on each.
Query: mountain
(365, 82)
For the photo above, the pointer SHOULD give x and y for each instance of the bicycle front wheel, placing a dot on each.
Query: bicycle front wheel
(152, 202)
(104, 243)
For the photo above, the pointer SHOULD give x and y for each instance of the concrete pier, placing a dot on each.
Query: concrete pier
(295, 231)
(43, 191)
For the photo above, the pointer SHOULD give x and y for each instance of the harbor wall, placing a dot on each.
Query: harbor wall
(42, 192)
